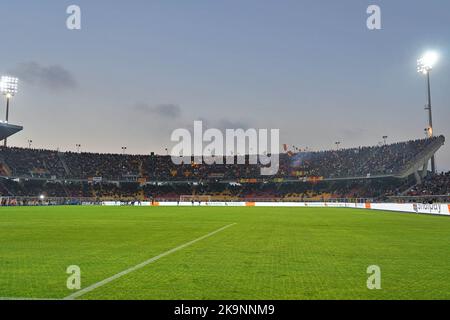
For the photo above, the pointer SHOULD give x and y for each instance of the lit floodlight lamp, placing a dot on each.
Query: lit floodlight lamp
(9, 86)
(427, 62)
(424, 66)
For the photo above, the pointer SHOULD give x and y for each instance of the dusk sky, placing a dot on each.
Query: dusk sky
(137, 70)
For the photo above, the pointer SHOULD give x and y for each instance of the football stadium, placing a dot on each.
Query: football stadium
(140, 227)
(364, 221)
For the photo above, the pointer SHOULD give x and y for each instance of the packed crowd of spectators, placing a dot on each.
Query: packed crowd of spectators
(132, 191)
(356, 162)
(362, 161)
(108, 166)
(31, 162)
(43, 173)
(432, 185)
(377, 189)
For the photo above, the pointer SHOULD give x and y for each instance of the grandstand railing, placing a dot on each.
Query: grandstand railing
(49, 201)
(59, 201)
(420, 199)
(265, 199)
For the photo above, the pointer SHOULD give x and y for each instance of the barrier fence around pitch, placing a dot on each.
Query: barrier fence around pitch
(367, 204)
(418, 208)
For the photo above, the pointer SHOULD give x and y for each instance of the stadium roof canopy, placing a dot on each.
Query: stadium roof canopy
(7, 130)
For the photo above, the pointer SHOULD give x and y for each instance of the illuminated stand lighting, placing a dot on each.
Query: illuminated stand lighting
(424, 66)
(8, 87)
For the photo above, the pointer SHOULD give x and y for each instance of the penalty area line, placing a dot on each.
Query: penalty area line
(142, 264)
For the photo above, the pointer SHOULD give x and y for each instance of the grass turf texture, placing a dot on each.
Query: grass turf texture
(271, 253)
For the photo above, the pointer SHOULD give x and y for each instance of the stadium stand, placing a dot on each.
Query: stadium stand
(432, 185)
(365, 172)
(388, 160)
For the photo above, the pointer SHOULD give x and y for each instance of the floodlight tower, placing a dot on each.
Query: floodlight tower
(8, 87)
(337, 143)
(424, 66)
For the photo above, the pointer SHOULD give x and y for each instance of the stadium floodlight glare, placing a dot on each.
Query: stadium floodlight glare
(8, 87)
(427, 62)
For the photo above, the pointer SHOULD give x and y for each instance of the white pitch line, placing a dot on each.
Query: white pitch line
(141, 265)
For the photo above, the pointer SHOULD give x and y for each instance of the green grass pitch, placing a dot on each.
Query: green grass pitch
(270, 253)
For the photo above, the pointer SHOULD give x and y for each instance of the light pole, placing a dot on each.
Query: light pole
(337, 143)
(8, 87)
(424, 66)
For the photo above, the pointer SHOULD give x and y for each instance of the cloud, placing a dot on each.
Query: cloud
(224, 124)
(53, 77)
(168, 110)
(353, 132)
(221, 124)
